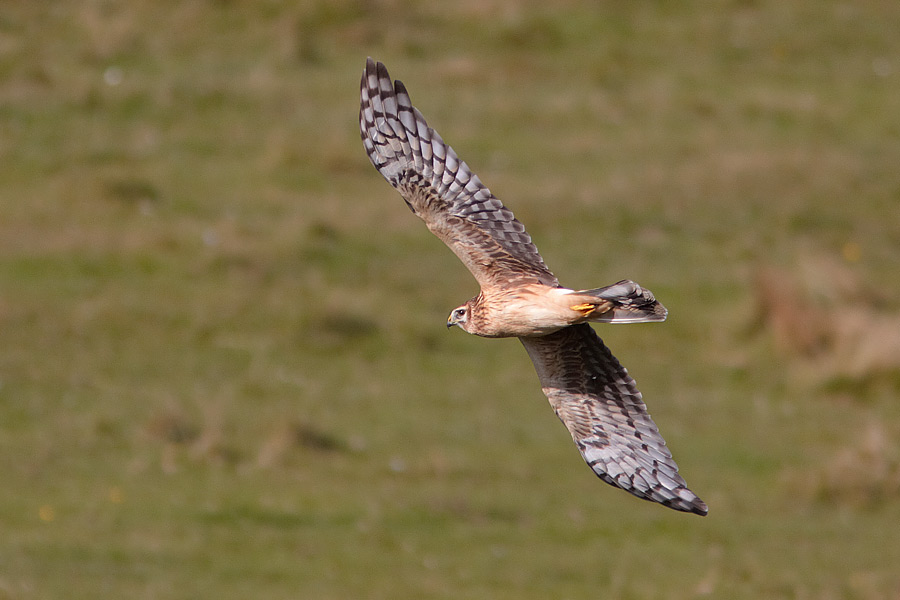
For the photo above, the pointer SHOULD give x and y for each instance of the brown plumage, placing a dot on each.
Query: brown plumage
(589, 390)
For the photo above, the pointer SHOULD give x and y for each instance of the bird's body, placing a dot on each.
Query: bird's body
(536, 309)
(520, 297)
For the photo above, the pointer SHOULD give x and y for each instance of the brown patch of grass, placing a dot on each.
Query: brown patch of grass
(863, 473)
(797, 326)
(827, 321)
(172, 427)
(184, 440)
(291, 436)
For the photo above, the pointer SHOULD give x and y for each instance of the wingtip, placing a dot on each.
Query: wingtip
(699, 507)
(382, 71)
(687, 501)
(373, 68)
(369, 68)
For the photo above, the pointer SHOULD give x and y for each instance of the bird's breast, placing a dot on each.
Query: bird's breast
(520, 313)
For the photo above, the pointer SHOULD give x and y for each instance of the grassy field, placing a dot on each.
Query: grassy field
(224, 371)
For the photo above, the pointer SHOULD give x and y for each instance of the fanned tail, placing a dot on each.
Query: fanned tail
(630, 304)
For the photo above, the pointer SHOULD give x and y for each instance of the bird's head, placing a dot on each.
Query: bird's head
(459, 316)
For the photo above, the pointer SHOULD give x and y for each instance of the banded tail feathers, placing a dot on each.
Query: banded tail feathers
(622, 302)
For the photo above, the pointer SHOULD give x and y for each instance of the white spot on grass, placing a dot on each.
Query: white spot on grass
(113, 76)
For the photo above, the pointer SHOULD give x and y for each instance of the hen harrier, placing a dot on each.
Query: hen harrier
(591, 393)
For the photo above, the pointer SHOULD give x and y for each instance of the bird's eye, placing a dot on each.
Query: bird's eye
(459, 313)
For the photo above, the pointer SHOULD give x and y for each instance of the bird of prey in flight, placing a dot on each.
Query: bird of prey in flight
(589, 390)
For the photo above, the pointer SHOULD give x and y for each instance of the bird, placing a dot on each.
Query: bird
(589, 390)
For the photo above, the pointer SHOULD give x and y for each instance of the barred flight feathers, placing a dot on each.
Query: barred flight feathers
(597, 400)
(440, 188)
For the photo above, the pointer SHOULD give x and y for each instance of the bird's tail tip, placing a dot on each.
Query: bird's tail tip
(630, 304)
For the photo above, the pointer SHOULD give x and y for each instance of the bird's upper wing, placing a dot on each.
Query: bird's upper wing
(598, 402)
(439, 187)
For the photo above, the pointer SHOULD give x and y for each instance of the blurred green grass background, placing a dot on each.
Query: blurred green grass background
(224, 371)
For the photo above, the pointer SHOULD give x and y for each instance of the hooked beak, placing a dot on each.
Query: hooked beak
(450, 323)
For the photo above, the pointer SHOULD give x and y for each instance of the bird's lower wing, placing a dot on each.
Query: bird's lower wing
(440, 188)
(598, 402)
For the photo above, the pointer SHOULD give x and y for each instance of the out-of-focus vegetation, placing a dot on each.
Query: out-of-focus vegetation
(224, 371)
